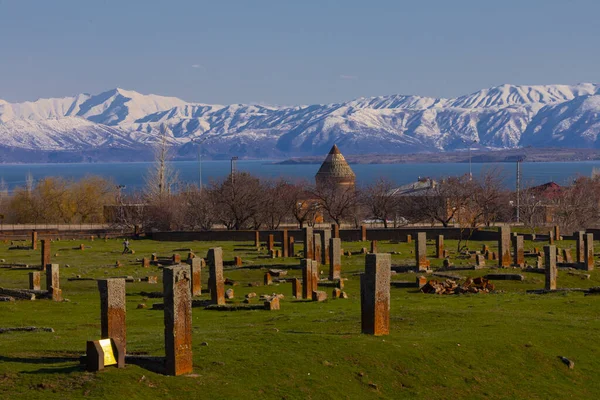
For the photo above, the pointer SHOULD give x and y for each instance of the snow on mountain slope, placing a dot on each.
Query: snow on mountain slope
(500, 117)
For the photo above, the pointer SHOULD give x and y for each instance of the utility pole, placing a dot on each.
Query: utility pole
(233, 168)
(199, 141)
(518, 188)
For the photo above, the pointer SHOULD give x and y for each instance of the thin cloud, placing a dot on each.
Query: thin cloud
(197, 66)
(348, 77)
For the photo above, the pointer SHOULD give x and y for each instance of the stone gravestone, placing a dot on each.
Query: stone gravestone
(45, 253)
(176, 259)
(285, 246)
(34, 240)
(317, 242)
(196, 275)
(296, 288)
(53, 282)
(113, 310)
(479, 260)
(567, 257)
(589, 251)
(35, 280)
(550, 254)
(421, 252)
(375, 294)
(309, 244)
(439, 246)
(373, 246)
(291, 250)
(216, 283)
(551, 237)
(335, 230)
(335, 258)
(325, 236)
(504, 259)
(556, 232)
(271, 242)
(519, 251)
(102, 353)
(408, 238)
(363, 233)
(308, 278)
(268, 279)
(580, 247)
(145, 262)
(178, 319)
(256, 239)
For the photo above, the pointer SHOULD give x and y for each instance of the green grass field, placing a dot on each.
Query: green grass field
(503, 345)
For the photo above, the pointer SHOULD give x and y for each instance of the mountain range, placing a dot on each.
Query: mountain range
(125, 125)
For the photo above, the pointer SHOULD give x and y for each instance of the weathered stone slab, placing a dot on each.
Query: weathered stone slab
(518, 250)
(256, 239)
(363, 233)
(335, 231)
(439, 246)
(421, 252)
(271, 242)
(319, 295)
(504, 259)
(178, 319)
(291, 248)
(309, 277)
(325, 241)
(309, 243)
(375, 294)
(34, 240)
(580, 246)
(53, 281)
(589, 251)
(373, 247)
(35, 280)
(285, 244)
(46, 256)
(318, 248)
(196, 275)
(335, 258)
(113, 310)
(296, 288)
(551, 272)
(216, 281)
(505, 277)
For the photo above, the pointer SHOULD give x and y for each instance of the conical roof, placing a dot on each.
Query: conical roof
(335, 166)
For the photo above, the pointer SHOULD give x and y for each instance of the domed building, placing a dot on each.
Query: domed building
(335, 170)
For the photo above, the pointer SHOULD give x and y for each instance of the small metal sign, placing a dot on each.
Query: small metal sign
(109, 355)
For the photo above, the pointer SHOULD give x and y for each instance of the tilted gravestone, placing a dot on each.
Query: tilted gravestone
(375, 294)
(113, 310)
(178, 320)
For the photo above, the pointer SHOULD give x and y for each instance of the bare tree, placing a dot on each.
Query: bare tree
(238, 200)
(339, 202)
(161, 178)
(381, 201)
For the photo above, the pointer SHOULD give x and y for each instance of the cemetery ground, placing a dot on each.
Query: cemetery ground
(502, 345)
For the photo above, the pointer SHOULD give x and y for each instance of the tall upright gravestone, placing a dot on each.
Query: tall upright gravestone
(309, 243)
(375, 294)
(335, 258)
(35, 280)
(421, 252)
(335, 230)
(113, 310)
(285, 246)
(580, 247)
(45, 253)
(518, 250)
(589, 251)
(270, 242)
(178, 320)
(309, 277)
(34, 240)
(439, 246)
(196, 275)
(363, 233)
(216, 282)
(318, 248)
(53, 281)
(550, 261)
(504, 258)
(325, 236)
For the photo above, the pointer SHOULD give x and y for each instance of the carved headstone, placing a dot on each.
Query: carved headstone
(196, 275)
(373, 246)
(271, 242)
(567, 257)
(296, 288)
(291, 250)
(216, 282)
(519, 251)
(268, 280)
(35, 280)
(375, 294)
(45, 253)
(439, 246)
(580, 246)
(34, 240)
(178, 319)
(113, 310)
(309, 272)
(53, 281)
(309, 243)
(256, 239)
(318, 248)
(285, 246)
(589, 251)
(363, 233)
(335, 230)
(335, 258)
(325, 236)
(550, 253)
(504, 259)
(421, 252)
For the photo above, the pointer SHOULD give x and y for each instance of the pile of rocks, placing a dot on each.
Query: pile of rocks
(449, 286)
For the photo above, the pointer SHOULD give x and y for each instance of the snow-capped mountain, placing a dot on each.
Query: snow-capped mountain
(506, 116)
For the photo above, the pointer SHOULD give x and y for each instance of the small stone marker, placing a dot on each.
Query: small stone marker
(567, 257)
(270, 242)
(318, 248)
(237, 261)
(408, 238)
(154, 257)
(550, 253)
(53, 281)
(268, 280)
(272, 303)
(178, 319)
(336, 293)
(35, 280)
(504, 246)
(256, 239)
(34, 240)
(335, 258)
(273, 253)
(285, 244)
(102, 353)
(421, 281)
(309, 244)
(375, 294)
(319, 295)
(145, 262)
(196, 278)
(176, 259)
(479, 260)
(373, 246)
(82, 247)
(519, 251)
(216, 283)
(113, 310)
(190, 256)
(45, 253)
(363, 233)
(439, 246)
(296, 288)
(589, 251)
(484, 249)
(229, 294)
(421, 252)
(556, 232)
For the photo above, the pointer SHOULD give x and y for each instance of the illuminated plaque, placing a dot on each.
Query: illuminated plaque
(109, 355)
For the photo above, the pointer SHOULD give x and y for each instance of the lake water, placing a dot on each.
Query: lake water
(132, 174)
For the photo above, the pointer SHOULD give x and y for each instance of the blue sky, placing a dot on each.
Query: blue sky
(292, 52)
